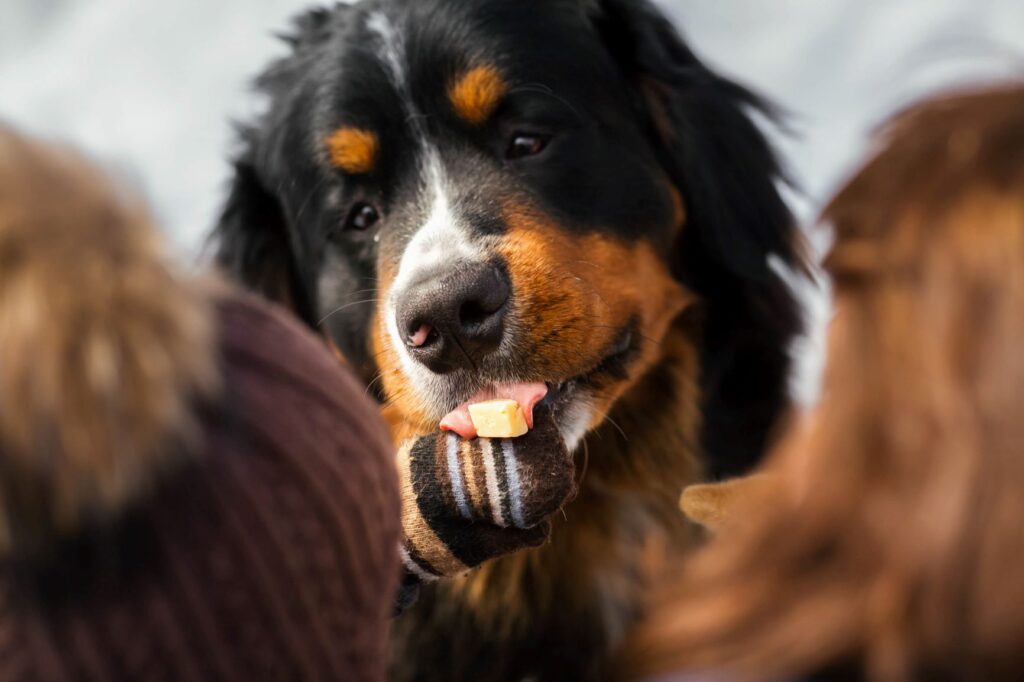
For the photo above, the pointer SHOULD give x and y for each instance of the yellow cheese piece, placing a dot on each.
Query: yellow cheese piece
(498, 419)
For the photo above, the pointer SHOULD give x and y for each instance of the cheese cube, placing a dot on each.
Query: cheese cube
(498, 419)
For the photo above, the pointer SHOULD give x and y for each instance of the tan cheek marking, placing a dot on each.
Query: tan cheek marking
(402, 411)
(477, 94)
(541, 261)
(353, 150)
(578, 291)
(644, 288)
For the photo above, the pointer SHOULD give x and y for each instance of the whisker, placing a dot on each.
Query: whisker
(611, 421)
(374, 381)
(344, 307)
(586, 461)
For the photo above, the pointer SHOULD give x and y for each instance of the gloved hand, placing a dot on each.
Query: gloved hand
(467, 501)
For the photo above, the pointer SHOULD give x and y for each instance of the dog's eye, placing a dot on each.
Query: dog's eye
(526, 144)
(362, 217)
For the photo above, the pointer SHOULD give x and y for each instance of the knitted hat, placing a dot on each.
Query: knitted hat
(190, 485)
(271, 559)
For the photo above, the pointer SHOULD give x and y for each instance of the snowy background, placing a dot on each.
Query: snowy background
(148, 87)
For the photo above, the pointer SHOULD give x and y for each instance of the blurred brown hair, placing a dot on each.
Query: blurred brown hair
(901, 552)
(104, 351)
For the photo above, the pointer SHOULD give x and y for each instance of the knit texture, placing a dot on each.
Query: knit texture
(273, 559)
(467, 501)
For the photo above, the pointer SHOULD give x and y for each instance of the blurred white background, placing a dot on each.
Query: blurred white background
(149, 87)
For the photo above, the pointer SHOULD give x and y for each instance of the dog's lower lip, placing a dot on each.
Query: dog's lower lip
(555, 398)
(555, 391)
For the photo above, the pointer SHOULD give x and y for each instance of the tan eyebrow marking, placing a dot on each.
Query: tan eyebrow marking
(353, 150)
(477, 94)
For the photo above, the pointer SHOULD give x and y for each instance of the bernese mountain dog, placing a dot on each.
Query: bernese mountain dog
(461, 194)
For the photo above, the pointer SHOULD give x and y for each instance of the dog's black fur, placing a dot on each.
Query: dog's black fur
(625, 100)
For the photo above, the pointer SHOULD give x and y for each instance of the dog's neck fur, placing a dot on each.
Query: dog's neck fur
(561, 611)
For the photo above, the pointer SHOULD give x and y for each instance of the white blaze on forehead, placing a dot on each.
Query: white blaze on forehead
(443, 237)
(439, 239)
(392, 51)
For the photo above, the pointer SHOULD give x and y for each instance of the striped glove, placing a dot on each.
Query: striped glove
(467, 501)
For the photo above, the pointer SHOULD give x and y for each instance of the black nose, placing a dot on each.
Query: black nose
(453, 318)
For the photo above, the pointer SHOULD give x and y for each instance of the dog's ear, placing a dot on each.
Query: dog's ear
(253, 245)
(253, 238)
(702, 127)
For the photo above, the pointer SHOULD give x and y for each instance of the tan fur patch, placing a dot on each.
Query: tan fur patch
(477, 94)
(103, 349)
(353, 150)
(579, 291)
(403, 411)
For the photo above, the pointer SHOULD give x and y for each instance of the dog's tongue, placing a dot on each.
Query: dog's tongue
(527, 395)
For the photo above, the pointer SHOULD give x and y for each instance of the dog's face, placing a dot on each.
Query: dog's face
(474, 193)
(511, 213)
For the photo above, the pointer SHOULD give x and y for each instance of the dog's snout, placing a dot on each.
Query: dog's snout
(454, 317)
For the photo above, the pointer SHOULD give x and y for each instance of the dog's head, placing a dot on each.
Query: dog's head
(469, 193)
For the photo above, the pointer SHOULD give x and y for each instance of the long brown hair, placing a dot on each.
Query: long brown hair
(900, 549)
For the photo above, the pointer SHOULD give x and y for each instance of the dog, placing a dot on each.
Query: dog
(463, 194)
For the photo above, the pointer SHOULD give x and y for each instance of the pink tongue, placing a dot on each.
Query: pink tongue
(527, 395)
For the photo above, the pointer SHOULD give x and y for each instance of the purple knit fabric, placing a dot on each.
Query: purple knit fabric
(272, 560)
